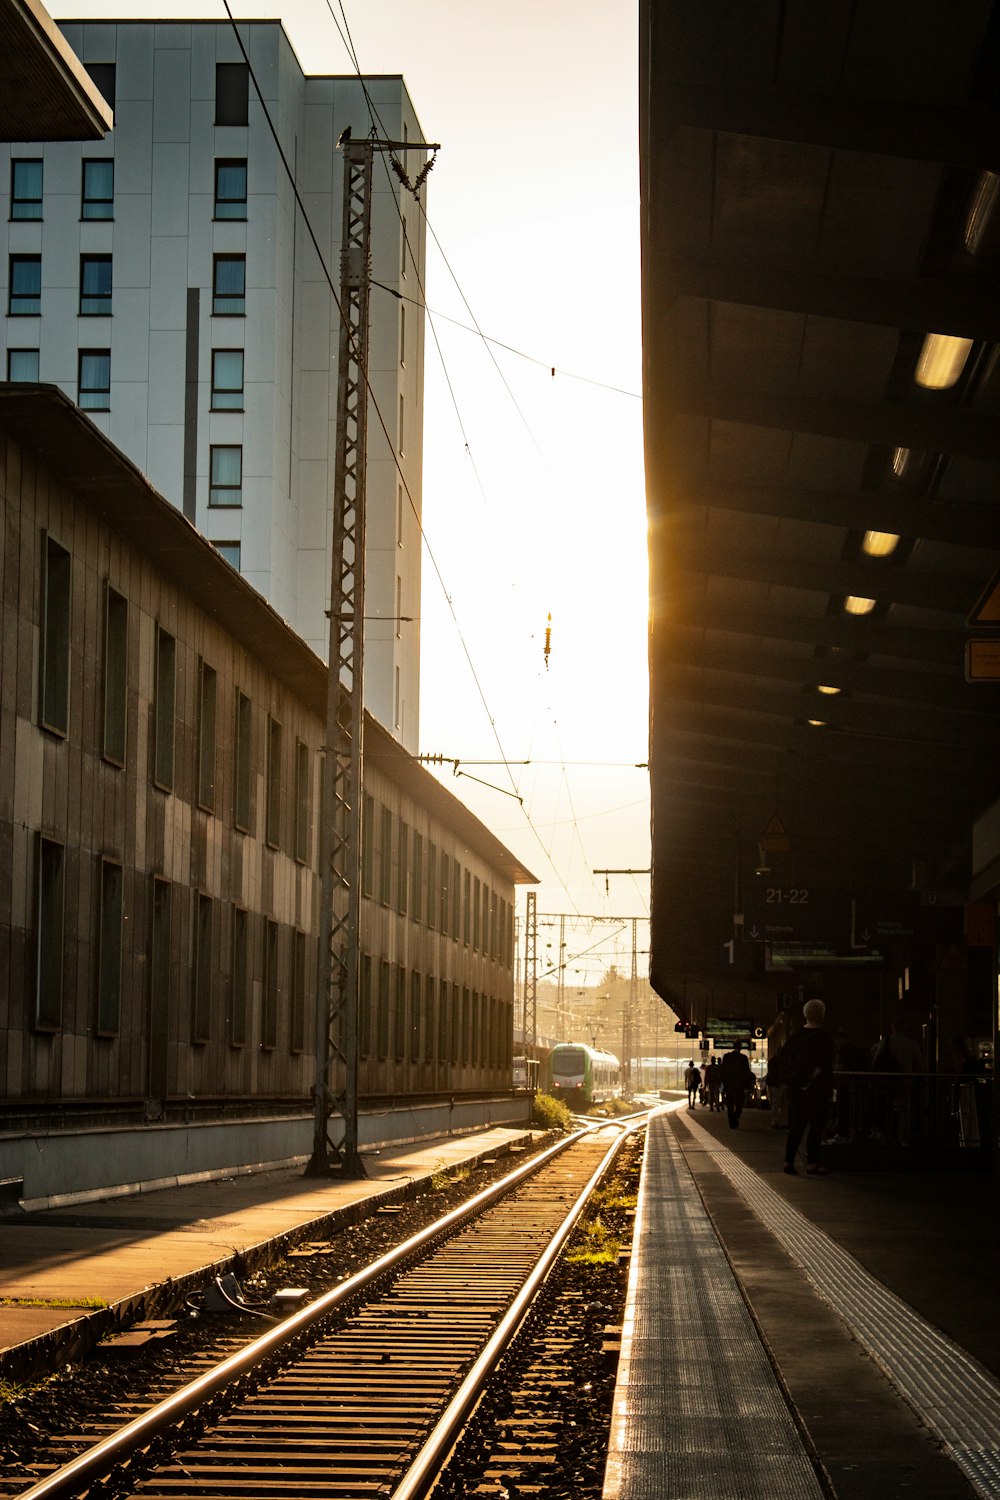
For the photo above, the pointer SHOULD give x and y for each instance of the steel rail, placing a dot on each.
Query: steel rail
(428, 1463)
(71, 1479)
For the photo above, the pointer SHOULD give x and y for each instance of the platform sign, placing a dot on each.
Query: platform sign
(982, 659)
(726, 1030)
(794, 910)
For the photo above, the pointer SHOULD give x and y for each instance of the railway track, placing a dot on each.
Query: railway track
(363, 1392)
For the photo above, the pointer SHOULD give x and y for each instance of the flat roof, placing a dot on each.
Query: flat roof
(46, 94)
(44, 420)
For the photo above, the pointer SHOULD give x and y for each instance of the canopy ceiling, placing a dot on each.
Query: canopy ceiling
(817, 198)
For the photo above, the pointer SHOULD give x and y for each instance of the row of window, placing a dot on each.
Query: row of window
(430, 886)
(97, 188)
(54, 703)
(284, 963)
(402, 1013)
(407, 1015)
(24, 287)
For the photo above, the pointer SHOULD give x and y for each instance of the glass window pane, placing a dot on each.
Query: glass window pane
(226, 475)
(95, 284)
(227, 379)
(26, 189)
(229, 284)
(25, 285)
(230, 551)
(98, 189)
(230, 190)
(95, 379)
(22, 364)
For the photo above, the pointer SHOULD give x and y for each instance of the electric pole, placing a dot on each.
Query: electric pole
(335, 1093)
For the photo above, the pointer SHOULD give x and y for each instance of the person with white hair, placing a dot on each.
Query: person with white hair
(809, 1089)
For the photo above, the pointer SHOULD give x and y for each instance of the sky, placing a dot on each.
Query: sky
(533, 483)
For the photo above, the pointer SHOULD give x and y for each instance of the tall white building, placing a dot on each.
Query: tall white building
(167, 279)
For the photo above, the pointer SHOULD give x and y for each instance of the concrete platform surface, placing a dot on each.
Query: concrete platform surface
(114, 1249)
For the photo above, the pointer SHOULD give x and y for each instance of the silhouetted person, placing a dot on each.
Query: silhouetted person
(737, 1080)
(809, 1067)
(713, 1083)
(692, 1082)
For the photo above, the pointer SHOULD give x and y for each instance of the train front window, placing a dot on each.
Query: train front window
(568, 1063)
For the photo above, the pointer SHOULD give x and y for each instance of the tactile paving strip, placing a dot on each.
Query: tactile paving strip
(949, 1390)
(699, 1413)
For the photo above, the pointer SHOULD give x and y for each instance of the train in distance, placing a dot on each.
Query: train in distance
(580, 1075)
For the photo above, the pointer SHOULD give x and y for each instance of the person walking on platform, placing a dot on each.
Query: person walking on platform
(692, 1082)
(737, 1080)
(713, 1083)
(807, 1065)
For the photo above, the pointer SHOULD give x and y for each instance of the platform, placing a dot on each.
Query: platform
(796, 1336)
(118, 1251)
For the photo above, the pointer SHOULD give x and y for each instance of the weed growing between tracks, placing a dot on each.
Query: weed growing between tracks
(542, 1426)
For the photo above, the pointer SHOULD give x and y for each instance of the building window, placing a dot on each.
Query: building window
(97, 193)
(109, 962)
(477, 898)
(115, 674)
(442, 1027)
(402, 868)
(230, 551)
(25, 284)
(365, 1016)
(467, 904)
(399, 608)
(22, 364)
(53, 697)
(272, 987)
(385, 858)
(399, 515)
(206, 736)
(229, 285)
(51, 917)
(231, 189)
(103, 75)
(239, 981)
(163, 716)
(160, 987)
(368, 845)
(432, 886)
(26, 188)
(225, 475)
(298, 1030)
(417, 878)
(303, 776)
(416, 1015)
(232, 94)
(401, 427)
(402, 245)
(398, 694)
(95, 286)
(242, 780)
(272, 815)
(94, 380)
(227, 379)
(402, 335)
(382, 1017)
(201, 971)
(399, 1016)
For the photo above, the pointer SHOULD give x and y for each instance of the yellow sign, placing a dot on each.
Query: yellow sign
(982, 660)
(987, 610)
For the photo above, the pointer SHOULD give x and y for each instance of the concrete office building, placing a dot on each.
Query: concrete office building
(167, 279)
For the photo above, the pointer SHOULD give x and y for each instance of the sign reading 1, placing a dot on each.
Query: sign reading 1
(776, 895)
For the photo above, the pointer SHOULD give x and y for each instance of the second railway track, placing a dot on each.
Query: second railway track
(352, 1397)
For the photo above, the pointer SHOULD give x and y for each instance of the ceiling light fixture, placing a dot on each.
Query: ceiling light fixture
(942, 360)
(817, 723)
(879, 543)
(857, 606)
(824, 687)
(984, 207)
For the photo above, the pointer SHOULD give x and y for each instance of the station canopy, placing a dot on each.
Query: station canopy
(821, 328)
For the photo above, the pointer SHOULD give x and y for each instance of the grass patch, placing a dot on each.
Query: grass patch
(91, 1303)
(597, 1246)
(442, 1181)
